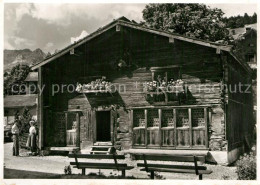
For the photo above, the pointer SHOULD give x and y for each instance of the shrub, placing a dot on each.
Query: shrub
(246, 167)
(67, 170)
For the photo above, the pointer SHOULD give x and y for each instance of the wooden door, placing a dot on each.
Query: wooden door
(103, 126)
(90, 123)
(72, 125)
(58, 133)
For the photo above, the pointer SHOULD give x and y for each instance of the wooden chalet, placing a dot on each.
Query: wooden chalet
(138, 112)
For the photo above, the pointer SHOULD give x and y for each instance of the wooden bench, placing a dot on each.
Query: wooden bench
(180, 168)
(99, 165)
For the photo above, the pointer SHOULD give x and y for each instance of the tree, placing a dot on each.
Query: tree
(15, 78)
(24, 120)
(254, 18)
(240, 21)
(193, 20)
(48, 55)
(246, 19)
(231, 23)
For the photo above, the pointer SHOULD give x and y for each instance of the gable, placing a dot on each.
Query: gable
(115, 25)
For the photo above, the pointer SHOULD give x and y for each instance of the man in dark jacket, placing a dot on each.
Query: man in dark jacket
(15, 132)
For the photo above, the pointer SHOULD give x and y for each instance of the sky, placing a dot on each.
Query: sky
(54, 26)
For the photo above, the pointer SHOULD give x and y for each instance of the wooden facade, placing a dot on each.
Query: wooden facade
(204, 117)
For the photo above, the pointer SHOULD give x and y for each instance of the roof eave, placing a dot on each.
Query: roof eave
(245, 66)
(135, 26)
(18, 106)
(179, 37)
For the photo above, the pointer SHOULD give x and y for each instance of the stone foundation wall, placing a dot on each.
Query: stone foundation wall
(217, 141)
(123, 134)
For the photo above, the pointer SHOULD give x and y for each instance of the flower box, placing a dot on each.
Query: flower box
(97, 86)
(169, 87)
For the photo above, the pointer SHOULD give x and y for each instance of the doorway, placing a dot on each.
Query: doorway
(103, 126)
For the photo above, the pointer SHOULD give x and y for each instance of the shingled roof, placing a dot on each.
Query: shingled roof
(15, 101)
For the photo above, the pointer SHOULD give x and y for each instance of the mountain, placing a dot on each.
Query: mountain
(24, 56)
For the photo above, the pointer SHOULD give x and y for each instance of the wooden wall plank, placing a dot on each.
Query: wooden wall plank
(190, 125)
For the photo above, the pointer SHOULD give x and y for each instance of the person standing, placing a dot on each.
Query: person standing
(31, 142)
(15, 132)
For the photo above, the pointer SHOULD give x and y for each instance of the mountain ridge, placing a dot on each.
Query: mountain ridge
(23, 56)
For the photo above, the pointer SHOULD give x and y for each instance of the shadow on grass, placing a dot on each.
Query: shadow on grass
(22, 174)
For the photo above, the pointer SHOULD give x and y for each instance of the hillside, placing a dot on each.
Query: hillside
(25, 56)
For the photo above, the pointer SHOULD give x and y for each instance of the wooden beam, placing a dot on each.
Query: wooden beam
(72, 51)
(171, 40)
(118, 27)
(112, 126)
(131, 117)
(78, 130)
(145, 117)
(66, 123)
(94, 125)
(160, 126)
(40, 108)
(206, 126)
(169, 107)
(246, 67)
(218, 51)
(175, 126)
(165, 67)
(167, 34)
(190, 125)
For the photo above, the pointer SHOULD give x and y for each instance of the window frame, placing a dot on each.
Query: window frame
(191, 128)
(166, 70)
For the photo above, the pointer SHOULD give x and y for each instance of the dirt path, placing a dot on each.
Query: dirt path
(47, 164)
(32, 163)
(55, 165)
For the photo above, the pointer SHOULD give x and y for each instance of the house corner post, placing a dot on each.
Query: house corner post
(40, 108)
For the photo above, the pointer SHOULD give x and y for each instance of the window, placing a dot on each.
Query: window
(250, 57)
(166, 85)
(170, 127)
(165, 74)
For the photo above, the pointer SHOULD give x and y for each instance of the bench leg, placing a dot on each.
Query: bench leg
(83, 171)
(152, 174)
(200, 176)
(123, 173)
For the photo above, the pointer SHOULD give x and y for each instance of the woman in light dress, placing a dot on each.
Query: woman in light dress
(31, 142)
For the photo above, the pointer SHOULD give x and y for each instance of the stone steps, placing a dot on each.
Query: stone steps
(102, 149)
